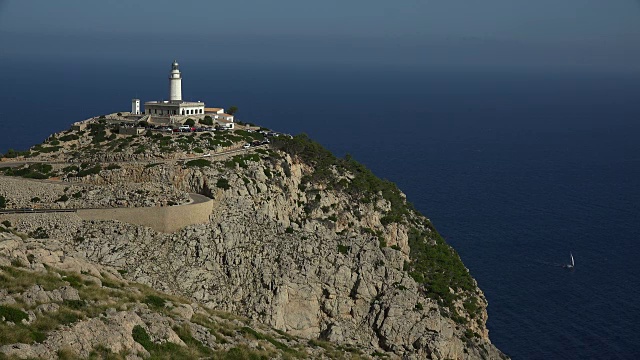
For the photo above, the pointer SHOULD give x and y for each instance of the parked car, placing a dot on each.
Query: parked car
(185, 128)
(246, 146)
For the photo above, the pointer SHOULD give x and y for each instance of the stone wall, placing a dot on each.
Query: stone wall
(163, 219)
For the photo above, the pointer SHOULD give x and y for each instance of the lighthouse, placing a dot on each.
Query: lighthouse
(175, 83)
(167, 110)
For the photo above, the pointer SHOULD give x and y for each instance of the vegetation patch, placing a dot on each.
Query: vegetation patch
(437, 267)
(330, 170)
(223, 183)
(344, 249)
(33, 171)
(39, 233)
(155, 301)
(13, 153)
(12, 314)
(86, 170)
(241, 160)
(69, 137)
(277, 344)
(198, 163)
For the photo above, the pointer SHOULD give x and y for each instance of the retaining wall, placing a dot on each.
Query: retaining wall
(163, 219)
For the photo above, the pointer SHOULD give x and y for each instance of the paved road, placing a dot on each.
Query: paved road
(195, 199)
(34, 211)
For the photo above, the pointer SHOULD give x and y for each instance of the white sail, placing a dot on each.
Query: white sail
(572, 263)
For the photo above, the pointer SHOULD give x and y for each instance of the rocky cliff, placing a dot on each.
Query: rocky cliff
(308, 244)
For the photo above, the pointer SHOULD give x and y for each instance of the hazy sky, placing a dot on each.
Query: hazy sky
(567, 33)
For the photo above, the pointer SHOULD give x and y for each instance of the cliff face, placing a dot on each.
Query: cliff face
(303, 242)
(55, 304)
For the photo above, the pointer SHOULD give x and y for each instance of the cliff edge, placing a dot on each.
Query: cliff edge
(311, 245)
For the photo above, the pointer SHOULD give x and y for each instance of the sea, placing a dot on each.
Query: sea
(516, 167)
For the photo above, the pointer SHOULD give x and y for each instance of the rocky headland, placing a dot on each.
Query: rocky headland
(304, 255)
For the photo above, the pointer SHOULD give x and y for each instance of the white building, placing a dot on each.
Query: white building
(175, 106)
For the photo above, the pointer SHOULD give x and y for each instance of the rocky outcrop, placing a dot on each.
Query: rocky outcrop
(56, 304)
(306, 248)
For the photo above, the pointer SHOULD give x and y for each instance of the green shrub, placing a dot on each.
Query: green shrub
(223, 184)
(86, 171)
(75, 304)
(69, 169)
(343, 249)
(13, 154)
(50, 149)
(35, 199)
(198, 163)
(12, 314)
(33, 171)
(155, 301)
(206, 121)
(63, 198)
(259, 336)
(3, 202)
(289, 230)
(39, 233)
(66, 317)
(140, 336)
(437, 267)
(241, 161)
(69, 137)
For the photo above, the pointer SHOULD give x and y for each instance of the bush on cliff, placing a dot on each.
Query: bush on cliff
(327, 167)
(13, 154)
(223, 183)
(198, 163)
(437, 267)
(33, 171)
(87, 169)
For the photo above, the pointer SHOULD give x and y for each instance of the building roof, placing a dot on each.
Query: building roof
(175, 103)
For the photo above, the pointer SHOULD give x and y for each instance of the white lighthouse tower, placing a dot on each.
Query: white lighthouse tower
(175, 108)
(135, 106)
(175, 80)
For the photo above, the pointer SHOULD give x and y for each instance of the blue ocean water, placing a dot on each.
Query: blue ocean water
(515, 168)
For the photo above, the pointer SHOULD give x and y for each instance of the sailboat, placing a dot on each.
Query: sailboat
(572, 264)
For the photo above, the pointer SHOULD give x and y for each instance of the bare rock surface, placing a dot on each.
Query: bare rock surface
(312, 259)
